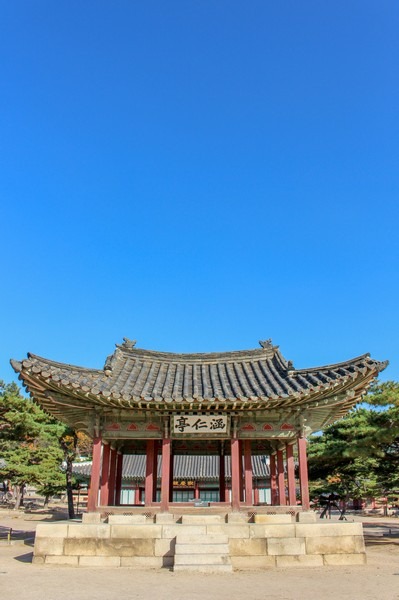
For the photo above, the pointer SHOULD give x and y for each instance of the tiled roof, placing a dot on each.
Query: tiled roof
(136, 378)
(184, 467)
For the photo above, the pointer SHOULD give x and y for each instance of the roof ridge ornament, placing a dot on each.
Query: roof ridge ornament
(267, 344)
(129, 344)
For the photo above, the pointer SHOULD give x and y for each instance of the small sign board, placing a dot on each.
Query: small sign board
(200, 424)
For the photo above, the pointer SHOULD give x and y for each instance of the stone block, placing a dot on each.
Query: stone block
(80, 530)
(109, 547)
(91, 518)
(165, 547)
(171, 531)
(302, 560)
(348, 544)
(99, 561)
(328, 529)
(72, 561)
(38, 560)
(143, 562)
(202, 519)
(125, 547)
(285, 546)
(272, 519)
(253, 563)
(127, 519)
(306, 517)
(165, 518)
(50, 545)
(232, 531)
(136, 531)
(271, 531)
(50, 530)
(236, 517)
(248, 547)
(80, 547)
(345, 559)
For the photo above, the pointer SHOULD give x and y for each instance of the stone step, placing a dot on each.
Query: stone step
(203, 519)
(202, 549)
(204, 568)
(201, 559)
(202, 539)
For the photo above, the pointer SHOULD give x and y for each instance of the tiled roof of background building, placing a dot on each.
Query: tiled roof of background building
(184, 467)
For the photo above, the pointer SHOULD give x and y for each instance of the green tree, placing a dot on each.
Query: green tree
(35, 446)
(359, 455)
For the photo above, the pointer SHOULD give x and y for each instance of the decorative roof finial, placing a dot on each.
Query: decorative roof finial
(128, 343)
(266, 344)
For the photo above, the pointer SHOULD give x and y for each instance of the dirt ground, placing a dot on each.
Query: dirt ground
(20, 580)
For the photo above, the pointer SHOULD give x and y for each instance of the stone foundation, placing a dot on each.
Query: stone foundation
(137, 541)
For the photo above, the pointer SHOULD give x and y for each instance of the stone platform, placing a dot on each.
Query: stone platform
(200, 542)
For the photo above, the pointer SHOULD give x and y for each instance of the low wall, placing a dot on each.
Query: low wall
(137, 541)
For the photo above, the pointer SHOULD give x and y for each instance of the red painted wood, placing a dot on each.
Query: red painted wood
(280, 478)
(235, 474)
(222, 479)
(112, 477)
(241, 471)
(196, 491)
(172, 461)
(104, 488)
(92, 498)
(291, 475)
(137, 495)
(273, 481)
(303, 473)
(256, 496)
(248, 472)
(155, 470)
(150, 476)
(165, 478)
(118, 480)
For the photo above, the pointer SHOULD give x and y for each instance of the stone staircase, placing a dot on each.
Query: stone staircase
(199, 550)
(202, 553)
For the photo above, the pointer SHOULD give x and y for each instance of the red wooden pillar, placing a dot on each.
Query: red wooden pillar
(235, 474)
(112, 477)
(291, 475)
(172, 462)
(248, 472)
(137, 494)
(273, 482)
(280, 478)
(196, 491)
(155, 470)
(222, 479)
(165, 477)
(241, 471)
(92, 499)
(118, 479)
(104, 488)
(256, 494)
(150, 473)
(303, 473)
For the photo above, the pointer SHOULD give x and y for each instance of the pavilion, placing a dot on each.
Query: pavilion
(232, 404)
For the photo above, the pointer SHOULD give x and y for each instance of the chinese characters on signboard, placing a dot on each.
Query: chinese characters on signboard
(200, 424)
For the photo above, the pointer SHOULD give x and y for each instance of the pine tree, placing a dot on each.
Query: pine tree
(34, 446)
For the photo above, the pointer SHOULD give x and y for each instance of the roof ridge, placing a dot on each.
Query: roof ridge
(183, 357)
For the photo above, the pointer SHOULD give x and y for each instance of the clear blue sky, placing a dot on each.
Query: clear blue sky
(199, 175)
